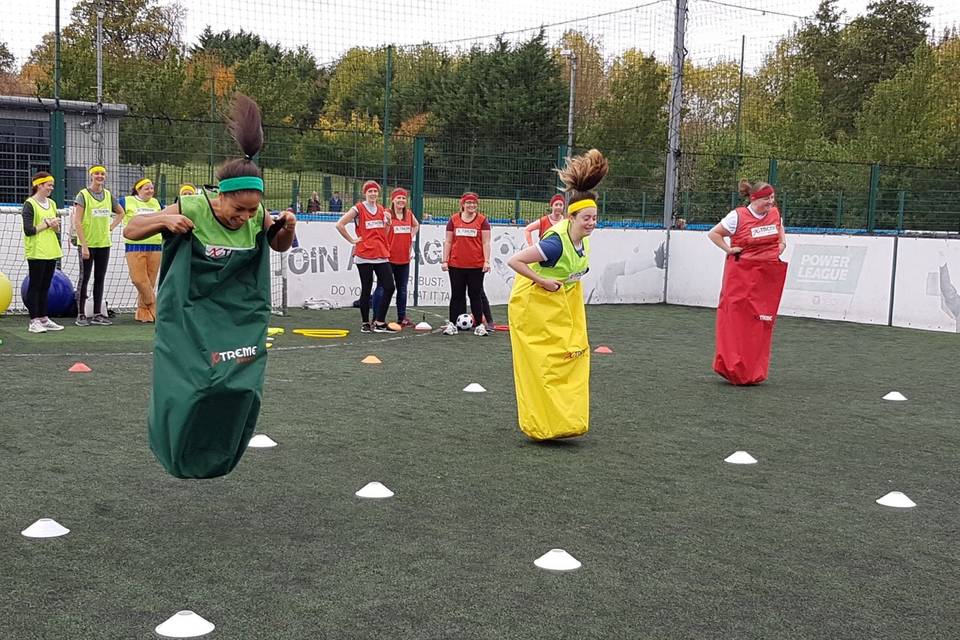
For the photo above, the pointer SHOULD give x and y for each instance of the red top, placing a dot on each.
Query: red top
(466, 250)
(401, 237)
(759, 237)
(372, 229)
(545, 225)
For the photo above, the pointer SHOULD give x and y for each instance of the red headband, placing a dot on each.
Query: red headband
(556, 198)
(469, 197)
(397, 192)
(761, 193)
(370, 184)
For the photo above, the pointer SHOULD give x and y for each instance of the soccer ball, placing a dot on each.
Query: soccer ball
(465, 322)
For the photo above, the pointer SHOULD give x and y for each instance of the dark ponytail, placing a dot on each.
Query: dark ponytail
(582, 174)
(246, 128)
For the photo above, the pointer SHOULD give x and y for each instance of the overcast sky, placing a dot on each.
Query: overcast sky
(330, 27)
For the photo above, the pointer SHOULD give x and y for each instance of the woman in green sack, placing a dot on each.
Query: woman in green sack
(213, 307)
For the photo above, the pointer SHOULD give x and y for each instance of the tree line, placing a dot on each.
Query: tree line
(877, 88)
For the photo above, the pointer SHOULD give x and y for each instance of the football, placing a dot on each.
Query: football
(464, 322)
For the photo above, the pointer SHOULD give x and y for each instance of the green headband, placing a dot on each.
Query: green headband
(242, 183)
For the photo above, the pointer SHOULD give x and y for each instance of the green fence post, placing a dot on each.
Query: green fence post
(416, 203)
(773, 172)
(294, 192)
(326, 188)
(783, 210)
(643, 207)
(872, 197)
(162, 191)
(900, 206)
(58, 156)
(839, 223)
(603, 203)
(516, 205)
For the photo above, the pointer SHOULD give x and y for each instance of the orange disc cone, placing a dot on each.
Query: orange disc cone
(603, 349)
(79, 368)
(371, 360)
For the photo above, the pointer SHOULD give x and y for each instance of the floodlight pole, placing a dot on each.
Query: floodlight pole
(675, 116)
(573, 91)
(100, 16)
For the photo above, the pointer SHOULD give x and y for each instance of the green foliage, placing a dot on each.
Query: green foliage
(832, 93)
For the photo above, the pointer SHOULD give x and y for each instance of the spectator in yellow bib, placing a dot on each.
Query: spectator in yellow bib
(95, 215)
(143, 256)
(42, 249)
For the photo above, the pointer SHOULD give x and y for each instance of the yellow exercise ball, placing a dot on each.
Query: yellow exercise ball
(6, 292)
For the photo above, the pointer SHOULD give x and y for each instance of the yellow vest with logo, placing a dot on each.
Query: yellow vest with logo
(132, 206)
(96, 219)
(43, 245)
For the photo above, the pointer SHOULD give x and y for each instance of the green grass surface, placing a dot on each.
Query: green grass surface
(674, 542)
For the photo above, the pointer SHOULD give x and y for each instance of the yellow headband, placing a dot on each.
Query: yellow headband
(187, 190)
(141, 182)
(40, 181)
(581, 204)
(97, 168)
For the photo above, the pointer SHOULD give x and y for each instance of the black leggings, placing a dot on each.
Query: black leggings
(99, 257)
(465, 282)
(41, 275)
(385, 280)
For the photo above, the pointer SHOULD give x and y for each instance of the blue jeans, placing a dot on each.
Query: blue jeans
(401, 273)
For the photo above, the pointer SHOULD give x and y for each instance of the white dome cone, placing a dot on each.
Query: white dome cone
(374, 490)
(261, 441)
(740, 457)
(423, 326)
(896, 499)
(473, 387)
(896, 396)
(45, 528)
(184, 624)
(557, 560)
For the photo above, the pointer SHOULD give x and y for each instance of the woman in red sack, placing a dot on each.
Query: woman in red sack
(753, 278)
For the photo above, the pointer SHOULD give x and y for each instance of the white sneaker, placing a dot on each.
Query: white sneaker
(449, 329)
(50, 325)
(480, 330)
(36, 326)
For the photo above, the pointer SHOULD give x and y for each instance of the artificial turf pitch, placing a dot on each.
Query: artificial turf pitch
(674, 542)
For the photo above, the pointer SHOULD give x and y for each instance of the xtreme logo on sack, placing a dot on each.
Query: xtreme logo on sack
(240, 355)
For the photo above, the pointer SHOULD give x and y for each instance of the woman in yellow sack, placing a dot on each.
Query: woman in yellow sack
(548, 324)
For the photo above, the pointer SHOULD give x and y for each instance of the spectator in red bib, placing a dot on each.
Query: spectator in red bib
(371, 254)
(753, 278)
(403, 229)
(543, 225)
(466, 257)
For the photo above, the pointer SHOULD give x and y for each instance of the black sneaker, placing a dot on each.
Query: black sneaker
(382, 327)
(101, 320)
(365, 327)
(83, 321)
